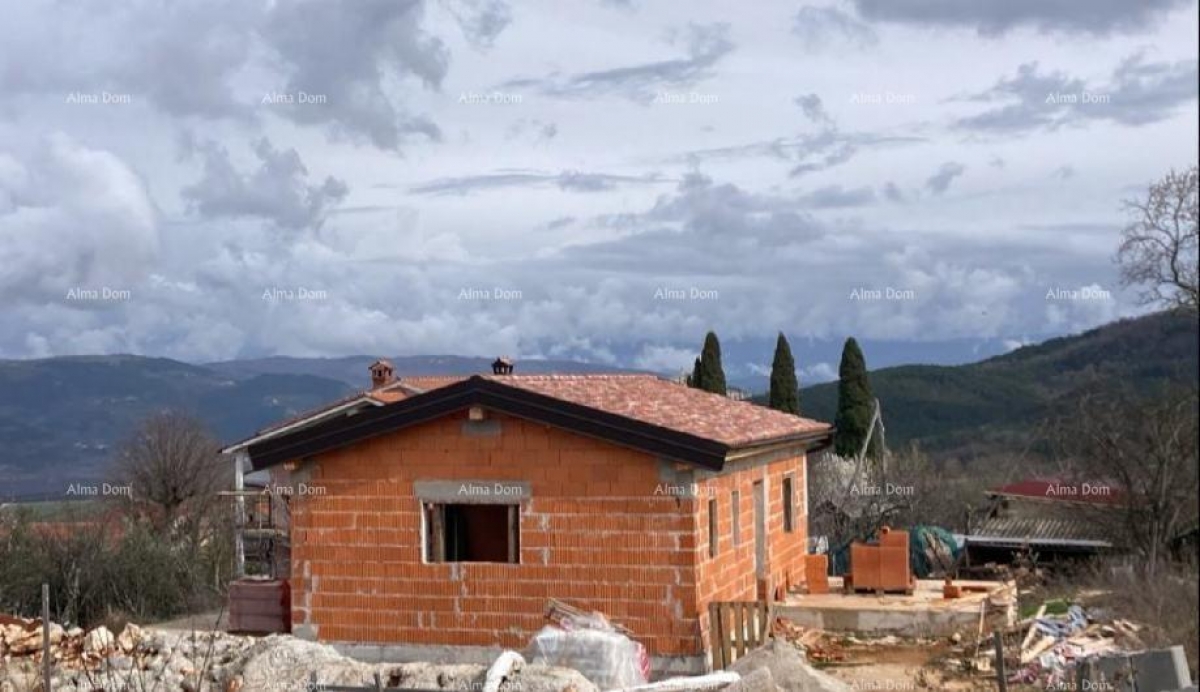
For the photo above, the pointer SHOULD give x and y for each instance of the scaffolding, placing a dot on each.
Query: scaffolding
(261, 525)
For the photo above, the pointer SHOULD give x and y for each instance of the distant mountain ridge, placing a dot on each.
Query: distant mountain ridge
(987, 407)
(60, 418)
(352, 370)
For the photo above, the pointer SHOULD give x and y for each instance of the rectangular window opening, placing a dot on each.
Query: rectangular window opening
(789, 506)
(735, 509)
(712, 528)
(472, 533)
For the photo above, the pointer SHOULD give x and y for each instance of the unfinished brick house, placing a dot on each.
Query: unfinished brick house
(444, 512)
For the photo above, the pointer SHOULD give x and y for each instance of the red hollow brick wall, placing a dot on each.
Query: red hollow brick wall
(600, 531)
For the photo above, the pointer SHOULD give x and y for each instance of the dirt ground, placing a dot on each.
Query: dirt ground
(900, 665)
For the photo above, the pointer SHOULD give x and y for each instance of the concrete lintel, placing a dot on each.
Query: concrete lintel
(473, 491)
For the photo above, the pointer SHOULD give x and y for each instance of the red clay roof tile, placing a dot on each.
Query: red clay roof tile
(654, 400)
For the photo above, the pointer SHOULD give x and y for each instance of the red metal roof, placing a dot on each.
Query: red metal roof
(1061, 490)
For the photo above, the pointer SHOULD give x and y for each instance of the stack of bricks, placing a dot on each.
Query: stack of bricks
(816, 574)
(881, 567)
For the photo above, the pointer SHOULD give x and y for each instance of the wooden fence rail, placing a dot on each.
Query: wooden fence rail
(735, 628)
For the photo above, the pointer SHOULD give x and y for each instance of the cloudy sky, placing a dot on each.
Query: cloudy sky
(602, 180)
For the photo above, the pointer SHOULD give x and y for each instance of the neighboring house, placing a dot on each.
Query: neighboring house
(1055, 519)
(439, 524)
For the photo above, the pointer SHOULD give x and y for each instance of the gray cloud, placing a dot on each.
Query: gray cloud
(345, 51)
(836, 196)
(818, 27)
(704, 45)
(481, 20)
(810, 153)
(1063, 172)
(532, 129)
(1138, 93)
(183, 57)
(277, 190)
(939, 182)
(995, 18)
(892, 192)
(813, 109)
(205, 44)
(570, 181)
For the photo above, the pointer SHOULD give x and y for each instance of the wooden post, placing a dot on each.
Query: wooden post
(241, 459)
(1001, 678)
(378, 683)
(46, 657)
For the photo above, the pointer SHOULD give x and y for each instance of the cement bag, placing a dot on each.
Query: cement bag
(609, 659)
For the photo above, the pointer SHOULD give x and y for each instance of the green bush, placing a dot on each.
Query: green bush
(98, 572)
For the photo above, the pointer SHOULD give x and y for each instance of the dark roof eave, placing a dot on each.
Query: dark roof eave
(812, 440)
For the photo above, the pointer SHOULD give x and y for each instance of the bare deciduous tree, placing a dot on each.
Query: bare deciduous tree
(1146, 448)
(1159, 249)
(172, 466)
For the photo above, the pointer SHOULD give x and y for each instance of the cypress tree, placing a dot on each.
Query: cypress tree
(785, 391)
(694, 380)
(855, 403)
(712, 376)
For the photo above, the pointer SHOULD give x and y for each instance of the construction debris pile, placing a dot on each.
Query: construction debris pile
(816, 644)
(589, 643)
(137, 659)
(1054, 645)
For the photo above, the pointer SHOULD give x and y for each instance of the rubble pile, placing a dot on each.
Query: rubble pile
(137, 659)
(134, 658)
(818, 646)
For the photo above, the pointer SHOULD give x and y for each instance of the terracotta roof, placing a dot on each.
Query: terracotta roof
(644, 412)
(424, 383)
(654, 400)
(660, 402)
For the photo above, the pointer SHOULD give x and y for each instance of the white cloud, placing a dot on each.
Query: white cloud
(74, 218)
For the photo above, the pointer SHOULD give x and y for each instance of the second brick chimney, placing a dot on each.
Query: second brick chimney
(382, 374)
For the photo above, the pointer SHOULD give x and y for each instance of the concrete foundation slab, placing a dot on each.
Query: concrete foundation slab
(923, 614)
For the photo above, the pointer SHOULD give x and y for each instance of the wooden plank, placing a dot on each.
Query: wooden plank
(739, 631)
(1001, 678)
(726, 650)
(764, 631)
(714, 636)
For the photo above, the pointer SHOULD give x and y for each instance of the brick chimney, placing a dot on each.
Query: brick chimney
(382, 374)
(502, 366)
